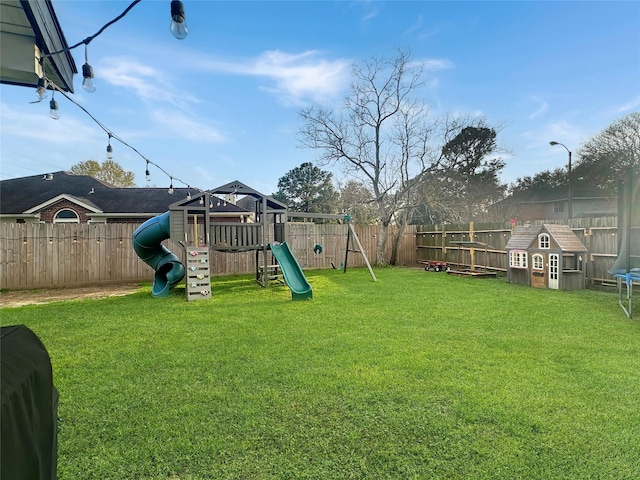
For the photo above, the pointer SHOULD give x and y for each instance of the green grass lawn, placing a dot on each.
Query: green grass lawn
(419, 375)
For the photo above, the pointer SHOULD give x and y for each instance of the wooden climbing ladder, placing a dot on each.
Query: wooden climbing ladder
(198, 274)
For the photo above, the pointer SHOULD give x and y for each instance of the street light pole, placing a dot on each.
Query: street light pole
(570, 200)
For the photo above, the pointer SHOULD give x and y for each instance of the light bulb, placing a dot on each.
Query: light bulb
(53, 109)
(170, 191)
(178, 25)
(87, 83)
(109, 152)
(148, 175)
(41, 90)
(188, 195)
(201, 201)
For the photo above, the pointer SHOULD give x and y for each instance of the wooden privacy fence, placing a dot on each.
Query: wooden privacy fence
(485, 244)
(40, 255)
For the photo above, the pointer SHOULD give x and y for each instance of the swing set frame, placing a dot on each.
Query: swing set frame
(353, 242)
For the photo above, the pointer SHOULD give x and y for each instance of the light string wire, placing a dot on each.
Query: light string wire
(119, 139)
(109, 132)
(90, 38)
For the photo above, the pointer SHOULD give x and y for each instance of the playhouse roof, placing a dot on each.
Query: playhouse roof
(524, 237)
(238, 188)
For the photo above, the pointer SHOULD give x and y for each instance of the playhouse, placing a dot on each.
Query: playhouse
(546, 256)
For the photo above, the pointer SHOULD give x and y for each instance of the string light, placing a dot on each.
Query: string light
(109, 149)
(201, 200)
(188, 194)
(178, 25)
(170, 191)
(87, 74)
(111, 135)
(53, 109)
(41, 90)
(44, 83)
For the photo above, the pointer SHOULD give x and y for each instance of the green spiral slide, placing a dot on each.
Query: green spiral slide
(147, 242)
(297, 282)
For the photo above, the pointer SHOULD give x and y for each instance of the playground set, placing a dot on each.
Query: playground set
(190, 223)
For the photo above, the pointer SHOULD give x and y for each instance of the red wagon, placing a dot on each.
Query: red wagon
(436, 265)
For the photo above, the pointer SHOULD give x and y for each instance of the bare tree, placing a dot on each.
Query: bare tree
(380, 137)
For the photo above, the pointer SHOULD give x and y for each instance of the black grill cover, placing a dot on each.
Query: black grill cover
(28, 440)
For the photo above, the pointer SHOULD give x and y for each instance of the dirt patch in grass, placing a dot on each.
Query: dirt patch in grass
(18, 298)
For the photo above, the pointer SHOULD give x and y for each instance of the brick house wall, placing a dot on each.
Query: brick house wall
(48, 213)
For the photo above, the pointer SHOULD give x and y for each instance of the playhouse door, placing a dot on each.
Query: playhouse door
(538, 273)
(554, 270)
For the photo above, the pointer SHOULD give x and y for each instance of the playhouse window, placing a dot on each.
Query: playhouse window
(558, 207)
(537, 260)
(543, 241)
(518, 259)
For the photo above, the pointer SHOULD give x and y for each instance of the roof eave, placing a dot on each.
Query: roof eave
(63, 196)
(50, 38)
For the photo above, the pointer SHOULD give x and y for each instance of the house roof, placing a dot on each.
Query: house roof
(556, 194)
(27, 195)
(27, 24)
(523, 237)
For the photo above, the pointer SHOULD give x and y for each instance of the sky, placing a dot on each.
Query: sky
(224, 103)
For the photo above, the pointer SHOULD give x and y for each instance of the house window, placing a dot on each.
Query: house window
(518, 259)
(66, 215)
(558, 207)
(538, 261)
(543, 241)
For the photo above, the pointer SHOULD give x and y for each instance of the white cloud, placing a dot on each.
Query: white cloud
(433, 64)
(417, 25)
(186, 128)
(558, 131)
(297, 77)
(563, 132)
(33, 123)
(370, 16)
(542, 108)
(146, 82)
(633, 104)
